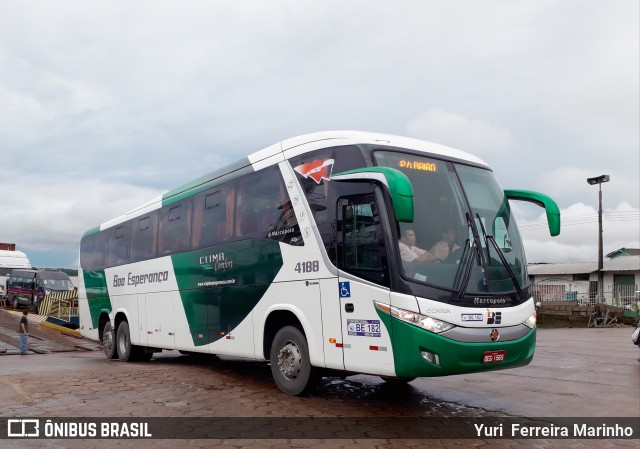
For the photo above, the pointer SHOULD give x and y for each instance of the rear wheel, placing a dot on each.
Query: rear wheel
(290, 364)
(109, 341)
(126, 351)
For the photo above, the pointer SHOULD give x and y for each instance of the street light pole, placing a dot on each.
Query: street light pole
(599, 180)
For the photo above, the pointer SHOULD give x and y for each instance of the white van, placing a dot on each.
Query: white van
(10, 260)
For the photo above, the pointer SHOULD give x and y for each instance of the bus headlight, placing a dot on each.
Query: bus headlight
(426, 322)
(531, 321)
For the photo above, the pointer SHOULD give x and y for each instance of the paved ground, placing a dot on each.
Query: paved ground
(576, 372)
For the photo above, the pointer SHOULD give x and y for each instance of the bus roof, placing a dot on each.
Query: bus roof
(283, 150)
(362, 137)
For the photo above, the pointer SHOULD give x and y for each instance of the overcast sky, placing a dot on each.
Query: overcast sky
(106, 104)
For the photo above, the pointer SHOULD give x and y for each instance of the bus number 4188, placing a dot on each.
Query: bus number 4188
(307, 267)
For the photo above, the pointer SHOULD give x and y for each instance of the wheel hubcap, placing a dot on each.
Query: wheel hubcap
(290, 361)
(123, 343)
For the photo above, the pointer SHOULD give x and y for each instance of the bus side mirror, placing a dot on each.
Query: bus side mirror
(542, 200)
(395, 181)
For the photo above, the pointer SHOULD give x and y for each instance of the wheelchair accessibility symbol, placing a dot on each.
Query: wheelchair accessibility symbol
(345, 290)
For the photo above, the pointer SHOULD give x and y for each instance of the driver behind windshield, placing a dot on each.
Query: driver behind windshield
(447, 245)
(409, 252)
(439, 252)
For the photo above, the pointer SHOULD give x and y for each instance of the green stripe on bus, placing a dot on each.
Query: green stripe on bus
(220, 286)
(95, 284)
(91, 231)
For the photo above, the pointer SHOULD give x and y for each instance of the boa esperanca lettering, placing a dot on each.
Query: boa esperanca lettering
(138, 279)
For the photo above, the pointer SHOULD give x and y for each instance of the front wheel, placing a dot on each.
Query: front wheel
(290, 364)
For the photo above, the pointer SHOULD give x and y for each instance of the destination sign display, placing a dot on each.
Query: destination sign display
(421, 165)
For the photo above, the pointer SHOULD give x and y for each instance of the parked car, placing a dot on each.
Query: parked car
(29, 287)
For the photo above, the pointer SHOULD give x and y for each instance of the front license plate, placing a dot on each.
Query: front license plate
(363, 328)
(494, 356)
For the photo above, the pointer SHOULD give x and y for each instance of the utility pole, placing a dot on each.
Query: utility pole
(592, 181)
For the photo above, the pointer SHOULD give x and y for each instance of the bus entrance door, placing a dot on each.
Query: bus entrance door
(366, 343)
(362, 279)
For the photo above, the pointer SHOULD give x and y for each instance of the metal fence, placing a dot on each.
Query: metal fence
(621, 296)
(61, 305)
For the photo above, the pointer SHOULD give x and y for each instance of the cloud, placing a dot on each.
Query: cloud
(122, 105)
(50, 214)
(472, 135)
(20, 114)
(578, 239)
(564, 184)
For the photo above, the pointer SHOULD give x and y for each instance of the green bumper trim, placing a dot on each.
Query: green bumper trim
(456, 357)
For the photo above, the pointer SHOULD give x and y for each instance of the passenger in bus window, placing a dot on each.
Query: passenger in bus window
(445, 247)
(409, 252)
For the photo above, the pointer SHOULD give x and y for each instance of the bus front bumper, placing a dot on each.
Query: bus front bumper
(420, 353)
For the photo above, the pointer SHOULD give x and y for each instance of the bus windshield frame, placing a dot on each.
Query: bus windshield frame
(463, 242)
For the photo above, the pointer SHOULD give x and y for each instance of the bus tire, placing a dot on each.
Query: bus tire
(290, 364)
(109, 341)
(126, 351)
(129, 352)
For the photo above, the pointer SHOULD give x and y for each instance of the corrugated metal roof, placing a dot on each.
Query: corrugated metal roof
(626, 263)
(624, 252)
(562, 268)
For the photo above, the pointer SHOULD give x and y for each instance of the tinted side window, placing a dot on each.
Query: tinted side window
(100, 245)
(144, 236)
(213, 217)
(86, 251)
(175, 228)
(28, 283)
(313, 170)
(361, 246)
(119, 244)
(263, 208)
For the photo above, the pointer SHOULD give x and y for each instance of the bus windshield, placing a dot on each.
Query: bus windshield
(463, 238)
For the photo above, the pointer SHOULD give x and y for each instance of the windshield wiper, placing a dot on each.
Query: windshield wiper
(469, 263)
(505, 264)
(465, 259)
(489, 238)
(476, 239)
(484, 233)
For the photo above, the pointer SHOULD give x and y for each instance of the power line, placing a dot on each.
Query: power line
(585, 219)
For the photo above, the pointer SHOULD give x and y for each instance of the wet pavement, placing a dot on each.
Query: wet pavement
(576, 372)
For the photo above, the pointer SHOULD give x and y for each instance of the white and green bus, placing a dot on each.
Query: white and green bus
(293, 256)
